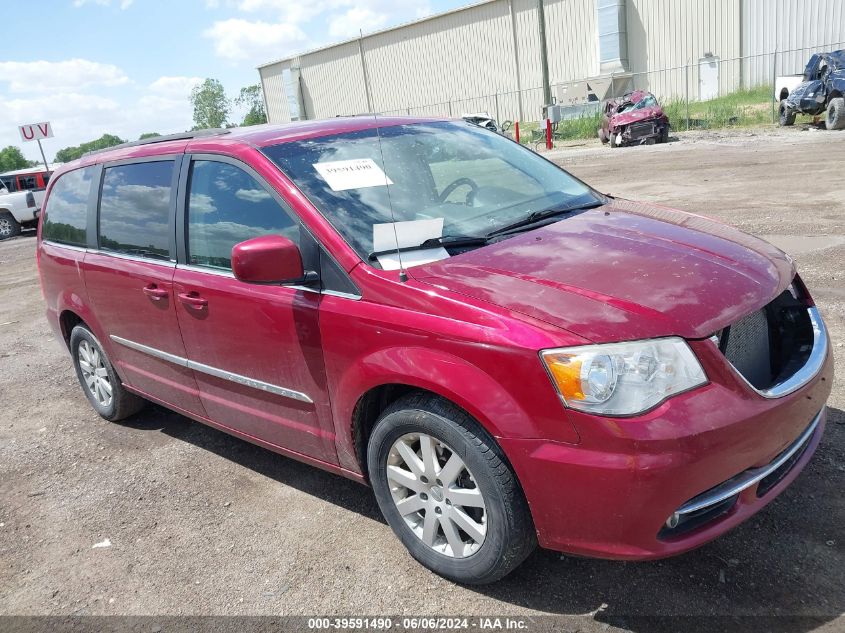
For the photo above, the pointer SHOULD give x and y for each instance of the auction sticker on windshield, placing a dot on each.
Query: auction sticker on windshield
(352, 174)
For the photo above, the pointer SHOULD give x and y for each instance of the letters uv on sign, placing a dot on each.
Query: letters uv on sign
(36, 131)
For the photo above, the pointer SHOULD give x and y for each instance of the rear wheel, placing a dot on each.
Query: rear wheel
(445, 489)
(835, 119)
(786, 115)
(99, 381)
(9, 226)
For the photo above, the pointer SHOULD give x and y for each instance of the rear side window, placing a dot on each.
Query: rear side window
(135, 209)
(27, 182)
(66, 212)
(227, 205)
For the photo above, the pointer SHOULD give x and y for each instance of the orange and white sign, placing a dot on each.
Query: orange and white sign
(36, 131)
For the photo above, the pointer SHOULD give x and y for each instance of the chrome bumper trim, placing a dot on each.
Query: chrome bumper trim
(213, 371)
(750, 477)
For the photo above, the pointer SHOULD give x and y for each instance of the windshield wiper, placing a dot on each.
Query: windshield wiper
(539, 216)
(447, 241)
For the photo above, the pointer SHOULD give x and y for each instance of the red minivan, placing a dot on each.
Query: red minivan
(504, 354)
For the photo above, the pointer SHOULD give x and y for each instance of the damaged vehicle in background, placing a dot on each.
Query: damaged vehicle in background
(822, 92)
(634, 119)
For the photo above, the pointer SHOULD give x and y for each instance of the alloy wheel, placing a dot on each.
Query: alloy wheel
(5, 227)
(95, 374)
(437, 495)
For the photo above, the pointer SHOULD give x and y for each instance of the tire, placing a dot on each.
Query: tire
(9, 226)
(664, 135)
(786, 116)
(87, 353)
(475, 556)
(835, 119)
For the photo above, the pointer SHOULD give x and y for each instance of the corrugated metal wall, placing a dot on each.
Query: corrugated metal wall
(275, 99)
(465, 53)
(664, 36)
(795, 28)
(487, 57)
(333, 82)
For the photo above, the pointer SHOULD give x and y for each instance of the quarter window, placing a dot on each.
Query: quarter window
(135, 209)
(66, 213)
(226, 206)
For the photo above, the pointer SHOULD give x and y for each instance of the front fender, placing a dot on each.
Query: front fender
(442, 373)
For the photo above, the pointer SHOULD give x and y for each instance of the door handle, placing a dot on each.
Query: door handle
(155, 293)
(193, 299)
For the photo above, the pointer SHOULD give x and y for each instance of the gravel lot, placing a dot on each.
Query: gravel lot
(202, 523)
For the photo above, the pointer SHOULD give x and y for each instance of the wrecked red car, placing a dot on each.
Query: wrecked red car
(634, 119)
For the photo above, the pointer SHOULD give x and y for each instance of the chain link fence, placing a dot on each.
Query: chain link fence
(698, 94)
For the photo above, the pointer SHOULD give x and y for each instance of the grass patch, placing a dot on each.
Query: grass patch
(742, 108)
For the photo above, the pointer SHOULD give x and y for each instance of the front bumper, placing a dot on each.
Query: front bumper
(611, 495)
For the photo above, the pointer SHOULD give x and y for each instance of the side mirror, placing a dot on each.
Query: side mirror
(269, 259)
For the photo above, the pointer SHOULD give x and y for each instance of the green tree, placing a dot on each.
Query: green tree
(67, 154)
(148, 135)
(211, 105)
(12, 158)
(251, 98)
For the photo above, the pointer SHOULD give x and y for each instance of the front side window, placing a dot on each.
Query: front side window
(135, 209)
(66, 210)
(226, 205)
(472, 180)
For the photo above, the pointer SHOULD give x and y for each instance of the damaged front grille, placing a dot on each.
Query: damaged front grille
(769, 346)
(641, 130)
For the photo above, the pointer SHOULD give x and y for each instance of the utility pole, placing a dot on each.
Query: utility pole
(43, 157)
(544, 55)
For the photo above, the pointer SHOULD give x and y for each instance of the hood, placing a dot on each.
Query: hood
(623, 271)
(633, 116)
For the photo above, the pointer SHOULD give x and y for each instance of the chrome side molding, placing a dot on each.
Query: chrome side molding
(213, 371)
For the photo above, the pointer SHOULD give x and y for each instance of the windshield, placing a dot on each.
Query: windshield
(472, 180)
(646, 102)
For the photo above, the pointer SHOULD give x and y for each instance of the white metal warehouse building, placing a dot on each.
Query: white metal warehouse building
(487, 56)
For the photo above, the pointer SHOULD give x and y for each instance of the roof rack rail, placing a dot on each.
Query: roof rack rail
(182, 136)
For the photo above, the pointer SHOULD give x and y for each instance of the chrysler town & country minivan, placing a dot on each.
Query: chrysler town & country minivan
(505, 355)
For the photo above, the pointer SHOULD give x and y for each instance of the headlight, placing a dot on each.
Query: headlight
(623, 378)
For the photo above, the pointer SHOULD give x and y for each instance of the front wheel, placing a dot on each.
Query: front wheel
(9, 226)
(786, 115)
(835, 116)
(447, 492)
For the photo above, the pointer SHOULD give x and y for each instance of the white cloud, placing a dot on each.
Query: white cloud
(175, 87)
(71, 74)
(355, 20)
(241, 40)
(124, 4)
(252, 195)
(282, 31)
(80, 117)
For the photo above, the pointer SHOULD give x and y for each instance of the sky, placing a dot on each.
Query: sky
(126, 67)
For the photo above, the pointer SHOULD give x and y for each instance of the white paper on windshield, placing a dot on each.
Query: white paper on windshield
(352, 174)
(392, 235)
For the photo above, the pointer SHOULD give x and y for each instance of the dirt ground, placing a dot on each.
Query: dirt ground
(201, 523)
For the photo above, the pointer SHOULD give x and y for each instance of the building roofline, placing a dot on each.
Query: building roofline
(326, 47)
